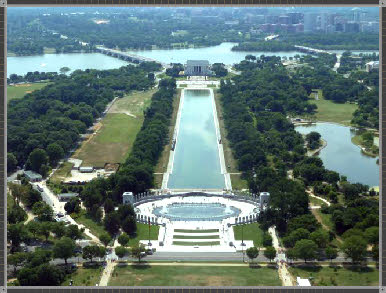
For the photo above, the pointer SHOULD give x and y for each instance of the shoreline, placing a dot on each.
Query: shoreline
(312, 153)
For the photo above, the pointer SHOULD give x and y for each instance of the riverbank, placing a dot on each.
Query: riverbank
(358, 141)
(315, 152)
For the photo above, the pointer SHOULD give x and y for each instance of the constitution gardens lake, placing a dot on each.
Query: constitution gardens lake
(342, 156)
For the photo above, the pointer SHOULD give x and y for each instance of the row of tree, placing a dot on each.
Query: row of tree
(46, 124)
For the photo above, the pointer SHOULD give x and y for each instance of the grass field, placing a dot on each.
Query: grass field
(191, 243)
(163, 161)
(84, 277)
(61, 173)
(230, 161)
(339, 276)
(251, 232)
(332, 112)
(115, 138)
(196, 231)
(316, 201)
(194, 276)
(237, 182)
(143, 233)
(357, 140)
(196, 237)
(95, 228)
(20, 90)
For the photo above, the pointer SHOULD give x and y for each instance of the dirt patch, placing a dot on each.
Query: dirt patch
(23, 85)
(219, 281)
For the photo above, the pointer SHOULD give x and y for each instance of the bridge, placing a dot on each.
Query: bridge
(311, 50)
(136, 59)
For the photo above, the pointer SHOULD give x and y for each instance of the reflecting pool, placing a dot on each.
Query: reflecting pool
(196, 211)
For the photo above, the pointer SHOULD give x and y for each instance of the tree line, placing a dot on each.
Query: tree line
(46, 124)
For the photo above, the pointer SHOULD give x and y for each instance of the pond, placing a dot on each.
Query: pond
(342, 156)
(196, 160)
(196, 211)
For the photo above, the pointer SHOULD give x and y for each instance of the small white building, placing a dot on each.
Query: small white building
(86, 169)
(302, 282)
(128, 198)
(373, 65)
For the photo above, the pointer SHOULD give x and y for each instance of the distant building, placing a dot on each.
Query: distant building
(33, 176)
(351, 27)
(128, 198)
(67, 196)
(310, 22)
(373, 65)
(197, 68)
(86, 169)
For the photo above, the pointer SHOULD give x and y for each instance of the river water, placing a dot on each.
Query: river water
(342, 156)
(196, 159)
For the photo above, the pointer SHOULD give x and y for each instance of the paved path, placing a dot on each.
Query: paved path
(311, 193)
(50, 198)
(284, 274)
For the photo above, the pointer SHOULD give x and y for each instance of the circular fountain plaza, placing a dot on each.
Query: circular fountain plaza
(197, 221)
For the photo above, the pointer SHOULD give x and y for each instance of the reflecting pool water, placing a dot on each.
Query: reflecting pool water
(196, 159)
(196, 211)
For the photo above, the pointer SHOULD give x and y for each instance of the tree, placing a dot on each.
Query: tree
(11, 162)
(252, 253)
(320, 237)
(331, 253)
(270, 253)
(43, 275)
(355, 247)
(16, 259)
(129, 225)
(291, 254)
(72, 206)
(16, 235)
(64, 248)
(74, 232)
(36, 159)
(39, 257)
(64, 70)
(55, 153)
(138, 251)
(112, 223)
(44, 229)
(43, 211)
(59, 229)
(372, 234)
(305, 249)
(123, 239)
(375, 253)
(16, 214)
(120, 251)
(105, 239)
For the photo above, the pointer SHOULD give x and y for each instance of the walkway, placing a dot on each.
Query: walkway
(109, 269)
(284, 274)
(311, 193)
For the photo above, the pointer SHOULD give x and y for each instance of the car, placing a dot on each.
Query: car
(149, 252)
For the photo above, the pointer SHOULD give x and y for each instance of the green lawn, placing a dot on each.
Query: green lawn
(251, 232)
(340, 276)
(20, 90)
(152, 275)
(117, 133)
(326, 219)
(95, 228)
(196, 231)
(332, 112)
(196, 237)
(237, 182)
(61, 173)
(192, 243)
(84, 277)
(316, 201)
(143, 233)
